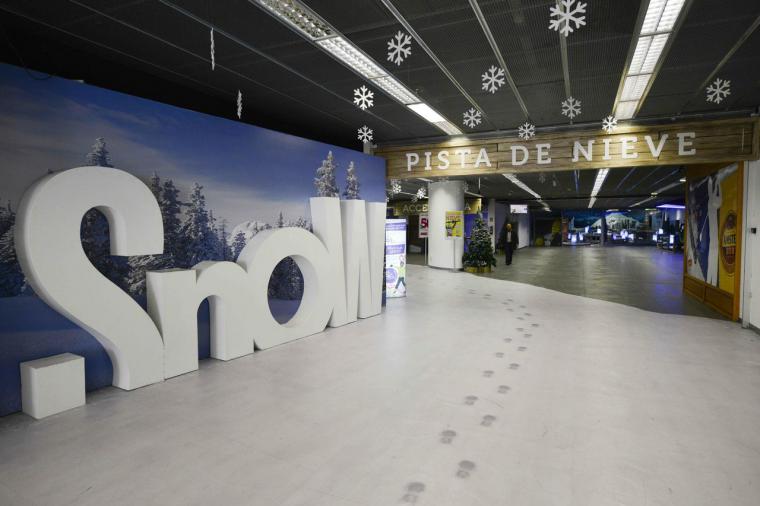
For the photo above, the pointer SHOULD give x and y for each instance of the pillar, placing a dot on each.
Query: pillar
(444, 196)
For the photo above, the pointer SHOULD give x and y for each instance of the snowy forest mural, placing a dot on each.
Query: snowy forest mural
(218, 183)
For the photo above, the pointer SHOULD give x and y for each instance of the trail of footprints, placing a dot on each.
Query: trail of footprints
(465, 468)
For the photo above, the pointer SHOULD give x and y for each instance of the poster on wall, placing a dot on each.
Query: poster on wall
(712, 208)
(423, 226)
(395, 258)
(454, 224)
(218, 184)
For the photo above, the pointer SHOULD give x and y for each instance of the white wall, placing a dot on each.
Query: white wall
(751, 253)
(444, 196)
(523, 229)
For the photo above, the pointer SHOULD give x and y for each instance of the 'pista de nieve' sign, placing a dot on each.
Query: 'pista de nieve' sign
(628, 146)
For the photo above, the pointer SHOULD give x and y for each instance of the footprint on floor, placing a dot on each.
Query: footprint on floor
(466, 467)
(510, 309)
(510, 300)
(488, 420)
(413, 491)
(522, 307)
(487, 295)
(447, 436)
(520, 329)
(499, 354)
(527, 314)
(534, 324)
(520, 318)
(522, 348)
(503, 389)
(527, 336)
(514, 366)
(487, 374)
(470, 400)
(507, 339)
(505, 303)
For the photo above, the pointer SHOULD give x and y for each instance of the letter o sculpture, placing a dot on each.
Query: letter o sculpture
(259, 258)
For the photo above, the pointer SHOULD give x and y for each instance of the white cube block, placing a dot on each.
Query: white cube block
(52, 385)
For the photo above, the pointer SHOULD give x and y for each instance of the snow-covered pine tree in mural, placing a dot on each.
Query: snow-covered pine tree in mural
(139, 264)
(199, 239)
(171, 212)
(94, 231)
(11, 278)
(325, 180)
(352, 183)
(238, 243)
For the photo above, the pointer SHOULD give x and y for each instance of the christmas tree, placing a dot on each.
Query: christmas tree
(352, 183)
(325, 180)
(479, 249)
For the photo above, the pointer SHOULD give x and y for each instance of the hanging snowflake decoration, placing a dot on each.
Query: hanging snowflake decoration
(387, 199)
(609, 124)
(526, 131)
(566, 12)
(718, 90)
(542, 178)
(466, 187)
(213, 54)
(395, 186)
(472, 117)
(571, 107)
(365, 134)
(421, 192)
(414, 199)
(363, 97)
(239, 105)
(399, 47)
(493, 79)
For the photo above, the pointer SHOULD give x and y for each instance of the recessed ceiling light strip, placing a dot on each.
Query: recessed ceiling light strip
(512, 178)
(655, 34)
(312, 27)
(601, 175)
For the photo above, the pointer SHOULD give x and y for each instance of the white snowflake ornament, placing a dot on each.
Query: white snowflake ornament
(395, 186)
(363, 97)
(365, 134)
(571, 107)
(566, 12)
(239, 105)
(493, 79)
(399, 47)
(718, 90)
(421, 192)
(526, 131)
(472, 117)
(609, 124)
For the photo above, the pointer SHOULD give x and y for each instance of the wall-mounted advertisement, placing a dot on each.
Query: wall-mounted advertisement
(395, 258)
(454, 224)
(424, 226)
(218, 183)
(518, 208)
(713, 208)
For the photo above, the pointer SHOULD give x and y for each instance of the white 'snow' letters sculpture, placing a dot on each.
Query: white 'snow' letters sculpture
(341, 263)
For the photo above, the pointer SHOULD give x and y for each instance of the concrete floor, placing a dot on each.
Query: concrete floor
(640, 276)
(471, 391)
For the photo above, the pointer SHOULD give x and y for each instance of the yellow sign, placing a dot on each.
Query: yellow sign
(454, 223)
(727, 231)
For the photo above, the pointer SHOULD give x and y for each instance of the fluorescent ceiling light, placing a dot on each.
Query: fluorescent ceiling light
(427, 112)
(522, 185)
(660, 18)
(313, 28)
(601, 175)
(671, 206)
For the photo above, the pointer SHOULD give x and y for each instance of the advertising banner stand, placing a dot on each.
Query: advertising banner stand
(454, 231)
(395, 258)
(423, 228)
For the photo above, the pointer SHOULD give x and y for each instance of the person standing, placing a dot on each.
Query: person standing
(510, 243)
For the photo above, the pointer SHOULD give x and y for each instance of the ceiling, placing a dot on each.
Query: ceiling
(160, 50)
(622, 188)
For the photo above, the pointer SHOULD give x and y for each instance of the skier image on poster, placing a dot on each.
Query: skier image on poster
(705, 201)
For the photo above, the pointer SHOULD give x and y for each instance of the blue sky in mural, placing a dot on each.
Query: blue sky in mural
(248, 173)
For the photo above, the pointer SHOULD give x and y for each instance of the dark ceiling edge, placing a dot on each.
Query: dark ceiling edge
(743, 113)
(145, 85)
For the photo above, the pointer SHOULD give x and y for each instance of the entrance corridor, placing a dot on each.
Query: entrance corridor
(640, 276)
(470, 391)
